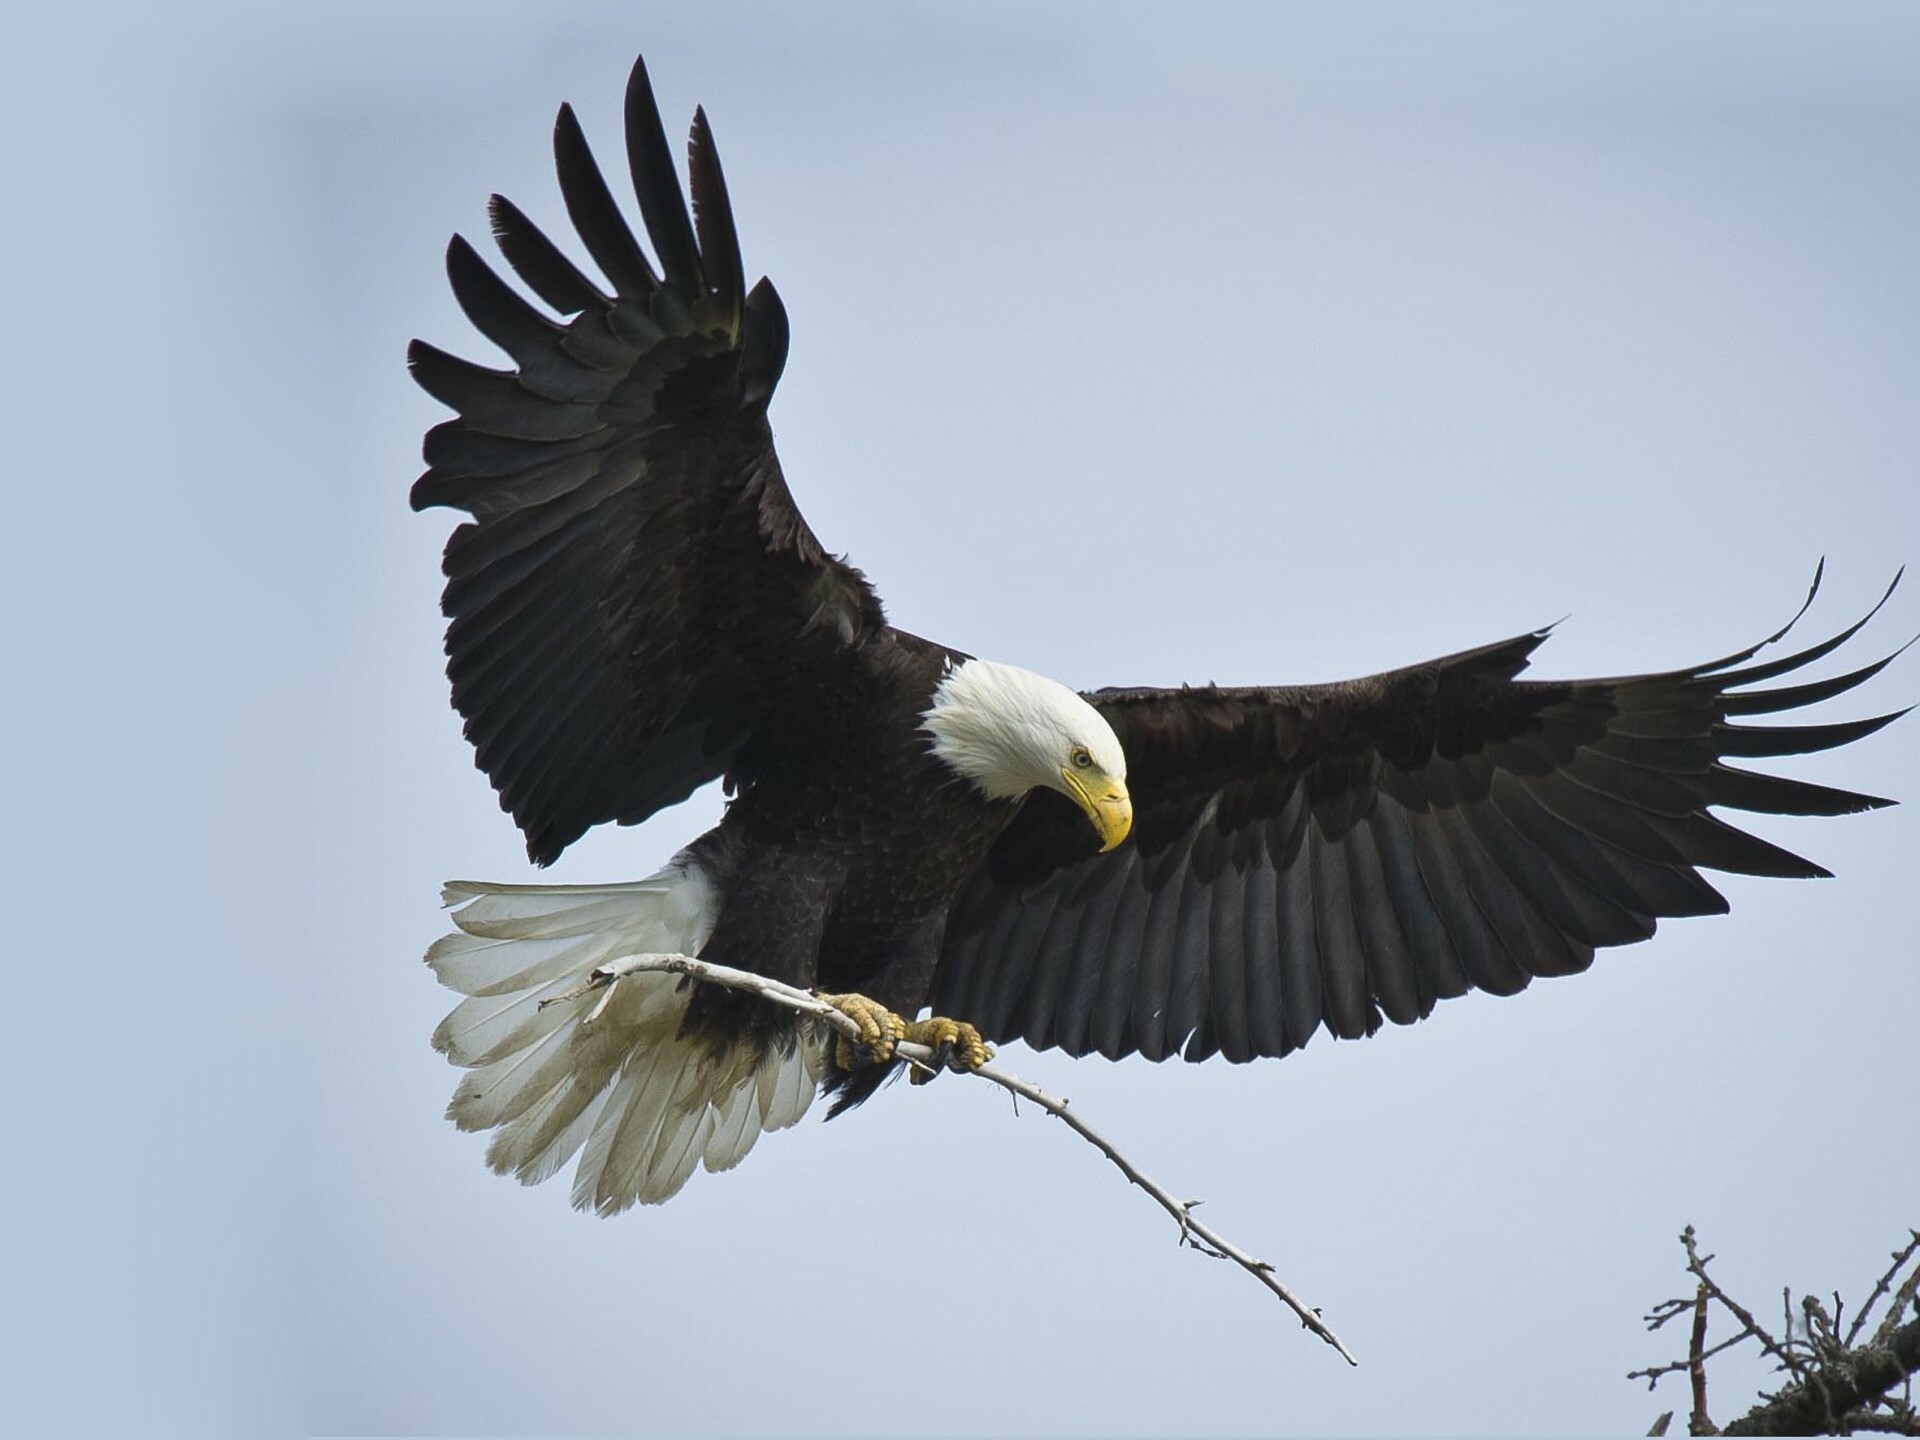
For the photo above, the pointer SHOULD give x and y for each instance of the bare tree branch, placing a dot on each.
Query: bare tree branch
(1878, 1423)
(1860, 1377)
(1838, 1387)
(1697, 1267)
(1193, 1232)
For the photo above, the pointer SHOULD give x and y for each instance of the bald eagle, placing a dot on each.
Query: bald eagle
(637, 609)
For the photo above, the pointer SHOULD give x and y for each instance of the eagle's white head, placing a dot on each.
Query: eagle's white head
(1009, 731)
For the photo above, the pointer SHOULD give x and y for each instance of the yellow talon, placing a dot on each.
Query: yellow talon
(955, 1044)
(955, 1041)
(880, 1031)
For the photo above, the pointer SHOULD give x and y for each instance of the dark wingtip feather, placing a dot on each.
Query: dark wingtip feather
(1794, 697)
(713, 213)
(431, 369)
(1819, 574)
(432, 490)
(1813, 589)
(496, 309)
(1767, 740)
(638, 79)
(1756, 673)
(538, 261)
(1819, 571)
(663, 207)
(1726, 785)
(591, 207)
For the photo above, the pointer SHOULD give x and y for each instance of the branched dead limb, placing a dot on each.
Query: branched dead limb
(1837, 1385)
(1697, 1267)
(1193, 1232)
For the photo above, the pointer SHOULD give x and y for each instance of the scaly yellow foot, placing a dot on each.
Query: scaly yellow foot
(880, 1031)
(955, 1044)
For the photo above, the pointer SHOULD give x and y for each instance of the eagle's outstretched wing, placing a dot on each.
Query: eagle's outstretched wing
(636, 594)
(1334, 854)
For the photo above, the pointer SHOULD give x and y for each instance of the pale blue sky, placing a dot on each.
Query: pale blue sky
(1133, 345)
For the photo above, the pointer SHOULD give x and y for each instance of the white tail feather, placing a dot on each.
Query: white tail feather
(640, 1104)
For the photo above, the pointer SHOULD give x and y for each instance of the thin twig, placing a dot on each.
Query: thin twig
(1181, 1210)
(1653, 1373)
(1667, 1310)
(1790, 1345)
(1900, 1301)
(1208, 1241)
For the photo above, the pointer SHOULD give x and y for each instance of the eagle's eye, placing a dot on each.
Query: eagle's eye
(1081, 758)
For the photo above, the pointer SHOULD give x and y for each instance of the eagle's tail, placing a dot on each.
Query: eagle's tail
(605, 1069)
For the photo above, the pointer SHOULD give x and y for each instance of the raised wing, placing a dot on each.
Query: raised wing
(637, 594)
(1332, 855)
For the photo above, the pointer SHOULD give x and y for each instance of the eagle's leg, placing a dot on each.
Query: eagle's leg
(956, 1045)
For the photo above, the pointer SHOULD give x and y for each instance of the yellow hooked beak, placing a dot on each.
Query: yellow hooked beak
(1106, 802)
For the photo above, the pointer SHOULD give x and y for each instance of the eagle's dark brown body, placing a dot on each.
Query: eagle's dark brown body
(846, 887)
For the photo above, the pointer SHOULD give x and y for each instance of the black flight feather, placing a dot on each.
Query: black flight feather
(1418, 833)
